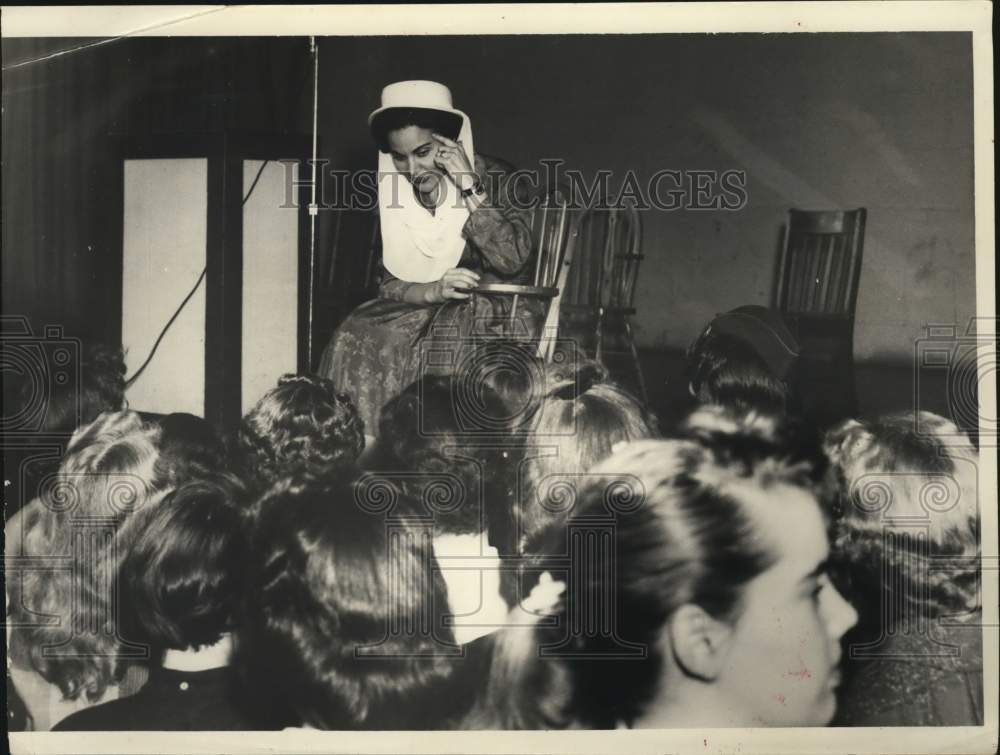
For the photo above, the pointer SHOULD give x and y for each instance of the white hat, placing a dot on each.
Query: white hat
(429, 95)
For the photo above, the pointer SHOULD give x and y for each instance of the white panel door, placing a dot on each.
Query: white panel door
(270, 278)
(165, 229)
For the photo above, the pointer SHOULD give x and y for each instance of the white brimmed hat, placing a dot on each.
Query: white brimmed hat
(427, 95)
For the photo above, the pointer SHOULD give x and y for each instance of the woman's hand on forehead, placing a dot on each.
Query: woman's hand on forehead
(451, 158)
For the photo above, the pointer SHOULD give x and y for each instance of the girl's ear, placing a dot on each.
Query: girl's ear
(698, 641)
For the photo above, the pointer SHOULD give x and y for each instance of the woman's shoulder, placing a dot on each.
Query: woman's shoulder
(490, 164)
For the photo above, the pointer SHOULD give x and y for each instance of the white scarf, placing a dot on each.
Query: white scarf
(419, 247)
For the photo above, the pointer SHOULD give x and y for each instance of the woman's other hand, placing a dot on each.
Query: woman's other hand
(454, 284)
(450, 157)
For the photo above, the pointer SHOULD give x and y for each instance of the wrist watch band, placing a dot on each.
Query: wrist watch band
(477, 188)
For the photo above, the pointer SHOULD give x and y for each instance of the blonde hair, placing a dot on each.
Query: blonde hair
(108, 474)
(907, 478)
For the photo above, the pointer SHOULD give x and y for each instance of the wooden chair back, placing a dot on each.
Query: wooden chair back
(820, 266)
(607, 262)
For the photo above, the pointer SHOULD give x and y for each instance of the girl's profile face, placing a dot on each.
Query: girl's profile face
(781, 667)
(413, 151)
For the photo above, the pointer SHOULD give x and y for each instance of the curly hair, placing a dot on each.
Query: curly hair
(323, 596)
(909, 516)
(107, 476)
(301, 425)
(686, 529)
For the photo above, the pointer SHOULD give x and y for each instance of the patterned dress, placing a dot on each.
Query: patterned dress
(929, 678)
(386, 344)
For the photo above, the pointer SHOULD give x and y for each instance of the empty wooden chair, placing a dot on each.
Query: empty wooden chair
(598, 302)
(819, 272)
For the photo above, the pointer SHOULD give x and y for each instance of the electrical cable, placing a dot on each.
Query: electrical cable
(201, 277)
(166, 327)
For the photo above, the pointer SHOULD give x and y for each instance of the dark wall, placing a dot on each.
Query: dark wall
(879, 120)
(817, 121)
(62, 115)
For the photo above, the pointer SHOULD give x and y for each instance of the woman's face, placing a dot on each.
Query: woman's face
(413, 150)
(781, 667)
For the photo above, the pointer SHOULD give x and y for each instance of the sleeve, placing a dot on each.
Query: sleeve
(390, 287)
(501, 227)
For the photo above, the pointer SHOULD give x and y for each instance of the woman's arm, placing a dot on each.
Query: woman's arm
(449, 287)
(497, 227)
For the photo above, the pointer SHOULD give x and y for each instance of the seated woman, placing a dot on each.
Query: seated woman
(908, 538)
(449, 221)
(180, 585)
(343, 626)
(712, 550)
(301, 425)
(745, 359)
(109, 473)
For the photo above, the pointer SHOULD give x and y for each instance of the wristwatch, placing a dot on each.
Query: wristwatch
(477, 188)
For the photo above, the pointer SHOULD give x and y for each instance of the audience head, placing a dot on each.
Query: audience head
(913, 477)
(431, 439)
(94, 385)
(190, 448)
(344, 609)
(744, 359)
(110, 470)
(302, 425)
(723, 615)
(181, 577)
(513, 371)
(581, 416)
(107, 475)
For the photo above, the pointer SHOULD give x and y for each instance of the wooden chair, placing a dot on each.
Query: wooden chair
(819, 272)
(553, 233)
(599, 297)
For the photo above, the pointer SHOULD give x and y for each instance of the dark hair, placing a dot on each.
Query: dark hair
(393, 119)
(513, 371)
(101, 388)
(913, 477)
(182, 574)
(303, 424)
(431, 446)
(727, 371)
(325, 598)
(93, 386)
(680, 531)
(189, 448)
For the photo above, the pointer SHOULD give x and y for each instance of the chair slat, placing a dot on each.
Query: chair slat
(818, 279)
